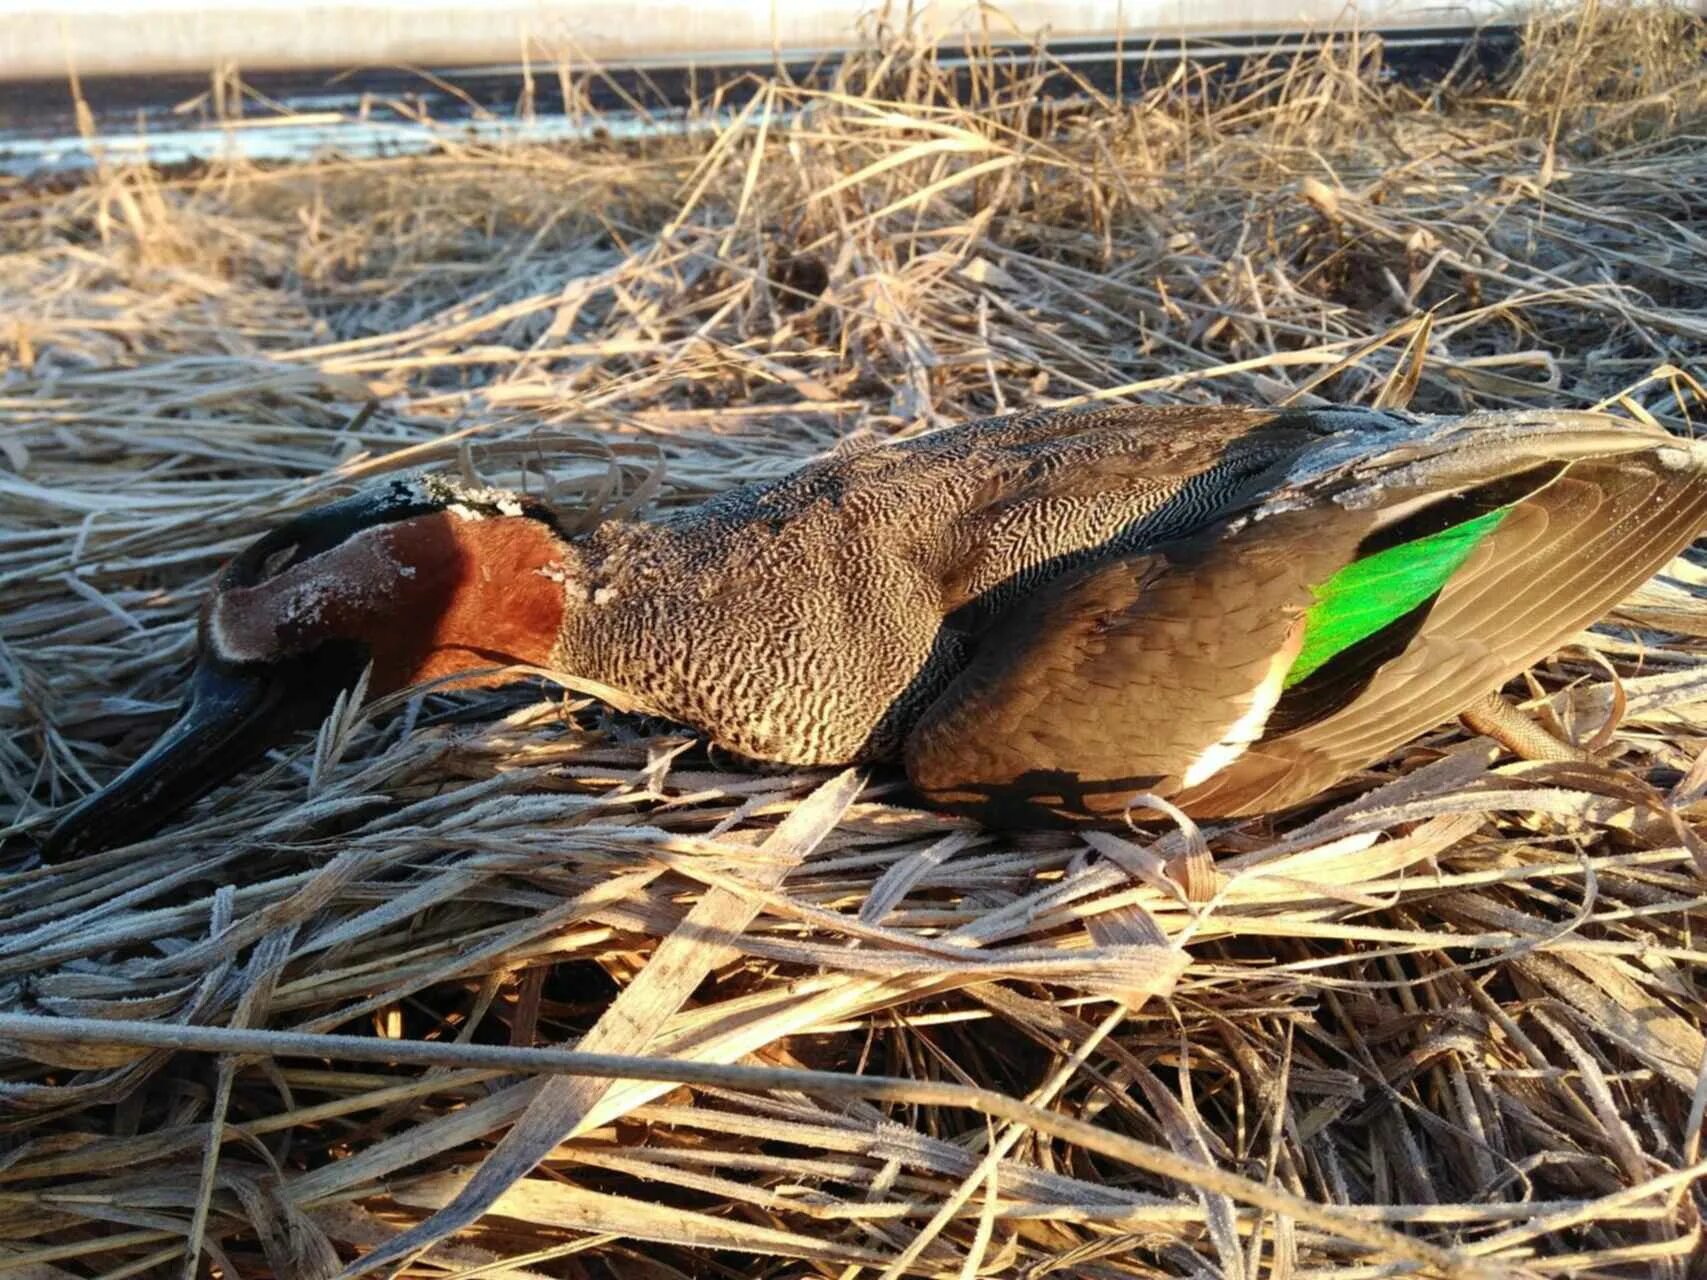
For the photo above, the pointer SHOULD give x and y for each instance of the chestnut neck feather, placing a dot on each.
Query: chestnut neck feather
(502, 597)
(429, 597)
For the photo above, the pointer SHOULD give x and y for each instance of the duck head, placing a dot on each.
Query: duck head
(420, 578)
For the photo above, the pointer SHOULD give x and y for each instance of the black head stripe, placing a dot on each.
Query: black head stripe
(318, 531)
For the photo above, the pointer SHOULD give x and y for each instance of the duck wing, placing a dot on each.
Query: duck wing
(1381, 586)
(1058, 491)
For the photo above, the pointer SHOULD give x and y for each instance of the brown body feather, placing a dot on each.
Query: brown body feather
(813, 620)
(1050, 613)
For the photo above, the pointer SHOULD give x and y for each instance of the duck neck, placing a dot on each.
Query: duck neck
(621, 586)
(500, 595)
(590, 606)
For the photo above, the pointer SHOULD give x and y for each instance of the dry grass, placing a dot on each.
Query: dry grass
(1452, 1024)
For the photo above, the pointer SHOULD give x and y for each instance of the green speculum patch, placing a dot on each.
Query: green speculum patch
(1372, 592)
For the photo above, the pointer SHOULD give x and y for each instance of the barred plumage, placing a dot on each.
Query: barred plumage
(1043, 614)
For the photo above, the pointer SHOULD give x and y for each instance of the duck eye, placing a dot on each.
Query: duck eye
(277, 561)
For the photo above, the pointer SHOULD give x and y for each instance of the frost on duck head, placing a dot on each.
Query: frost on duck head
(471, 502)
(335, 592)
(450, 585)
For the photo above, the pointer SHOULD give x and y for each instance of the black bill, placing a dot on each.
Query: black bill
(233, 715)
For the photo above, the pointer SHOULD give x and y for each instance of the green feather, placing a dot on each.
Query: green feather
(1369, 593)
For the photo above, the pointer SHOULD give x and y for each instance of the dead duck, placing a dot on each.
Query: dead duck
(1041, 615)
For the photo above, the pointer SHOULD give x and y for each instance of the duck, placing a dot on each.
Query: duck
(1044, 617)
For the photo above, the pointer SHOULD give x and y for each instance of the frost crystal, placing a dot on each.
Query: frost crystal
(469, 502)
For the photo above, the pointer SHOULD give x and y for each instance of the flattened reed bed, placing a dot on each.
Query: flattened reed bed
(1446, 1021)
